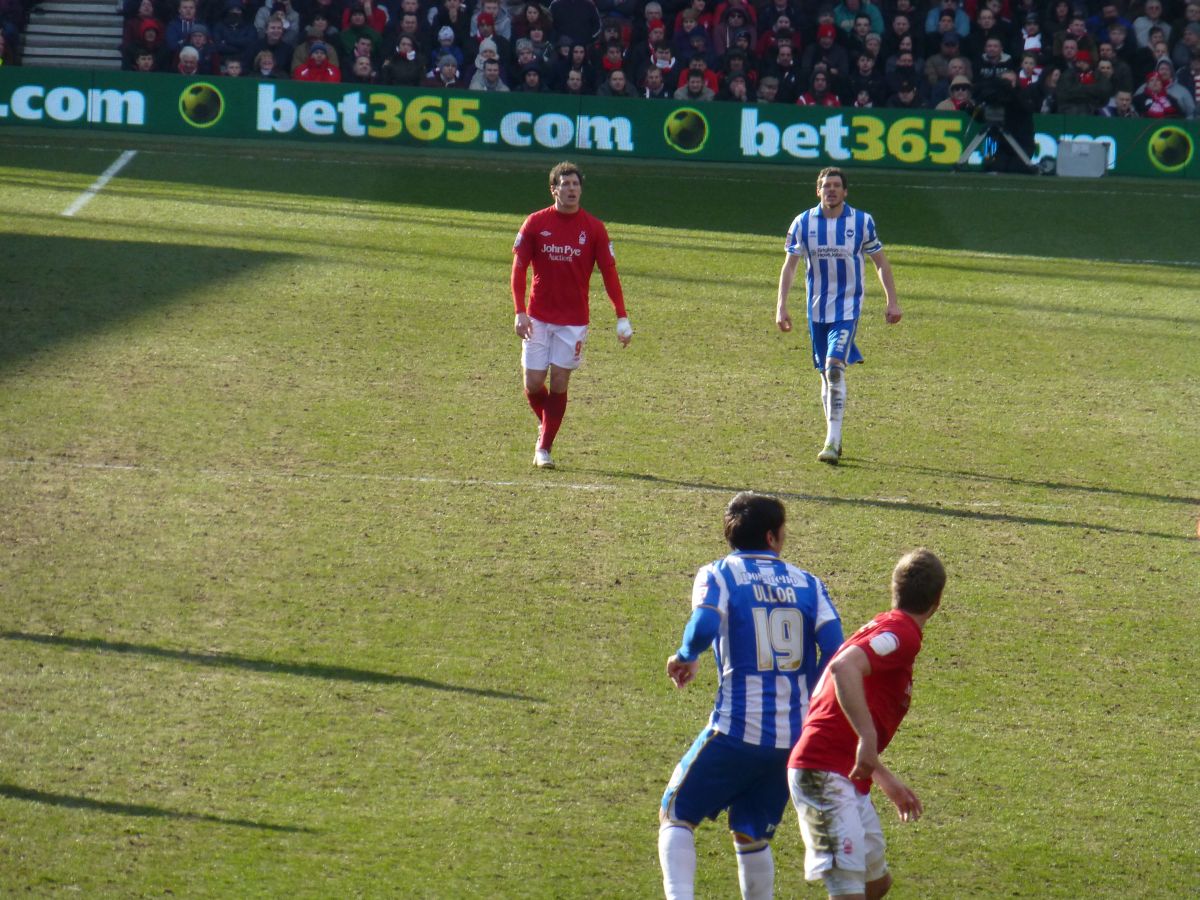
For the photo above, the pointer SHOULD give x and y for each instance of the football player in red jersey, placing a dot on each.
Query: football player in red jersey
(564, 243)
(855, 710)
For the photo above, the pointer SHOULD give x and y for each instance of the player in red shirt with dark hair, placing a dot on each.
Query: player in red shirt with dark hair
(564, 243)
(856, 708)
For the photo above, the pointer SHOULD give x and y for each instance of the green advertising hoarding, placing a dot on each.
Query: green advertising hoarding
(707, 132)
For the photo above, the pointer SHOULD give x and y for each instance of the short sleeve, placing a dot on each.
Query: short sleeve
(889, 649)
(793, 243)
(708, 590)
(871, 243)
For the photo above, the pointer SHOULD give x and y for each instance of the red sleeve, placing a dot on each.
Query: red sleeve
(522, 254)
(608, 269)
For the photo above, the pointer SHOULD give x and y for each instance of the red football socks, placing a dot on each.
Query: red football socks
(555, 408)
(537, 401)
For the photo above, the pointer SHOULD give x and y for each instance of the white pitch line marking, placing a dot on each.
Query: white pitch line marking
(98, 185)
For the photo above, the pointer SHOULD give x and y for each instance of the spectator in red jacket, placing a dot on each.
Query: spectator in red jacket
(318, 68)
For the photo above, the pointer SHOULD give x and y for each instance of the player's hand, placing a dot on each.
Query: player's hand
(782, 319)
(523, 326)
(908, 804)
(892, 313)
(865, 760)
(624, 331)
(680, 672)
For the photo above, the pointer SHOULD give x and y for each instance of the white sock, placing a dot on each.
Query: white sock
(836, 376)
(756, 874)
(677, 856)
(825, 396)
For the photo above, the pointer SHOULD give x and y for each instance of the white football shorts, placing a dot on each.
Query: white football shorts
(843, 840)
(553, 345)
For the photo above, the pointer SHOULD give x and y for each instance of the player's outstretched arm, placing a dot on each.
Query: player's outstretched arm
(883, 269)
(908, 804)
(849, 669)
(787, 275)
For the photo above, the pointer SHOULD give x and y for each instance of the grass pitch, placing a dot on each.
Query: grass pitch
(286, 612)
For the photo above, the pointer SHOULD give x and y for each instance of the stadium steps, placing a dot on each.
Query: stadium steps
(80, 34)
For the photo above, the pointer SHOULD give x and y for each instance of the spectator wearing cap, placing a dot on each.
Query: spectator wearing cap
(641, 54)
(316, 32)
(578, 19)
(1030, 39)
(1153, 101)
(960, 99)
(936, 64)
(317, 67)
(484, 29)
(651, 12)
(954, 68)
(905, 97)
(825, 52)
(446, 45)
(406, 66)
(210, 61)
(962, 23)
(1081, 90)
(291, 19)
(733, 20)
(358, 28)
(1178, 92)
(904, 67)
(502, 22)
(445, 74)
(523, 57)
(452, 14)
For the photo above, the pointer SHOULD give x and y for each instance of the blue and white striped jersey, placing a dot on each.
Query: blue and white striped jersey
(833, 253)
(767, 644)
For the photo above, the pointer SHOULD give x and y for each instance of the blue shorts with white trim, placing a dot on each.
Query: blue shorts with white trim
(834, 340)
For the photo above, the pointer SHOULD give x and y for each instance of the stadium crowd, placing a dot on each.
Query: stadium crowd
(1076, 57)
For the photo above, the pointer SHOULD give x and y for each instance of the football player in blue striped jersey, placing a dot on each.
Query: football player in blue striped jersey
(772, 629)
(832, 238)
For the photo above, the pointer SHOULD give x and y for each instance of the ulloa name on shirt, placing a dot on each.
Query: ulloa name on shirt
(769, 593)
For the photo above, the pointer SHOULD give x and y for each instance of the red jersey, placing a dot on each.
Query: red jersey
(891, 641)
(563, 248)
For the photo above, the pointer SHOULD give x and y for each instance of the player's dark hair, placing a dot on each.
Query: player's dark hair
(917, 582)
(748, 519)
(563, 169)
(832, 170)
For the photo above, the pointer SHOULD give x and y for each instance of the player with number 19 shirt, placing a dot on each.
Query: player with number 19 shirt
(772, 628)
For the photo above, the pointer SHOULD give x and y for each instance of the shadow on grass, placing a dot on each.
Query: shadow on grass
(897, 506)
(58, 289)
(251, 664)
(143, 810)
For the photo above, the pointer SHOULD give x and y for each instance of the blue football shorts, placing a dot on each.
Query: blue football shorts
(834, 340)
(723, 773)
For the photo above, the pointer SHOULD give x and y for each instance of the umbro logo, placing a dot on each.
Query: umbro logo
(545, 234)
